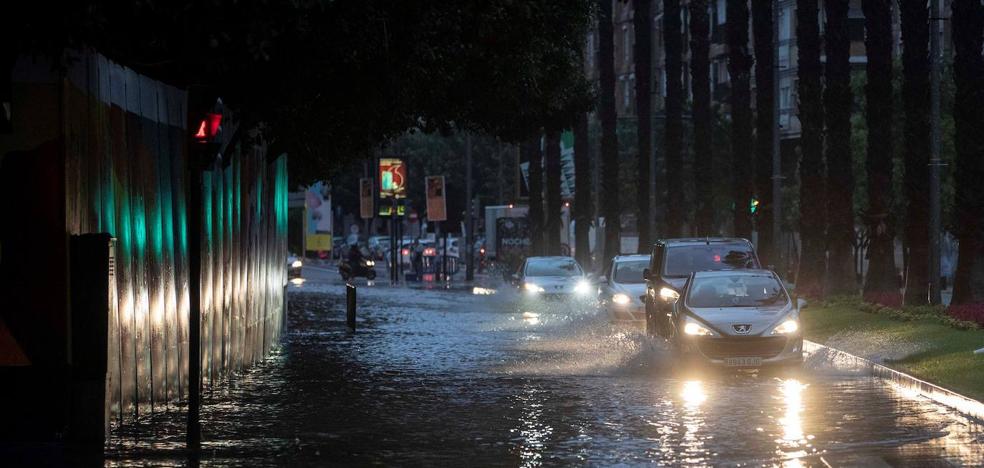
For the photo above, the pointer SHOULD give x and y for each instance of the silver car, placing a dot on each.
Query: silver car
(622, 286)
(553, 278)
(737, 318)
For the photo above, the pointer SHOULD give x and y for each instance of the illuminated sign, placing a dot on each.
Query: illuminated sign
(392, 178)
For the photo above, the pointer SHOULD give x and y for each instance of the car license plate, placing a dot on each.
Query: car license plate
(743, 361)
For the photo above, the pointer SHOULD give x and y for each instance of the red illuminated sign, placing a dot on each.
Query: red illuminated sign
(392, 178)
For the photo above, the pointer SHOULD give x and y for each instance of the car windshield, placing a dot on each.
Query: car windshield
(630, 272)
(737, 291)
(553, 267)
(685, 259)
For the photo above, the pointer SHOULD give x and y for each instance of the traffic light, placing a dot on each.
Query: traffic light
(753, 205)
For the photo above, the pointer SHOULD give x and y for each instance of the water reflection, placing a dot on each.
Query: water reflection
(793, 442)
(533, 431)
(694, 395)
(531, 318)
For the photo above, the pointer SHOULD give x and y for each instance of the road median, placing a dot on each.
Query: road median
(919, 341)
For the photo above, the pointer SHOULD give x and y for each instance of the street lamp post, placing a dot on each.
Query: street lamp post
(469, 216)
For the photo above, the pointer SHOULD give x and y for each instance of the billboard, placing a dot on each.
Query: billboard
(392, 178)
(317, 222)
(436, 203)
(365, 198)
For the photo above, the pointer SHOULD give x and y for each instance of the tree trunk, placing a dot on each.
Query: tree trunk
(838, 102)
(673, 139)
(881, 284)
(739, 68)
(703, 118)
(644, 128)
(582, 192)
(812, 204)
(915, 102)
(536, 196)
(609, 140)
(552, 168)
(764, 124)
(968, 117)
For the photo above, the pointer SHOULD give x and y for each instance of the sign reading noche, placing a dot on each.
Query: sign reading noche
(436, 206)
(392, 178)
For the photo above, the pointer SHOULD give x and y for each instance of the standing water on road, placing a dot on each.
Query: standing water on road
(448, 377)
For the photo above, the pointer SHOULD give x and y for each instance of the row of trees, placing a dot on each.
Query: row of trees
(827, 173)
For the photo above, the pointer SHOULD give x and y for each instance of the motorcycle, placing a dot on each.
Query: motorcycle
(365, 268)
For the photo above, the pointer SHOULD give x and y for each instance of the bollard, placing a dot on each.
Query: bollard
(350, 306)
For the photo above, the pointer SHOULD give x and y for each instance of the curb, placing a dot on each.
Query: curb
(905, 382)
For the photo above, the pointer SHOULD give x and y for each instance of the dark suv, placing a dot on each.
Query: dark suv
(673, 260)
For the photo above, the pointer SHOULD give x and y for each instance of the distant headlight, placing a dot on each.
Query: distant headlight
(532, 288)
(621, 299)
(370, 263)
(582, 287)
(786, 328)
(668, 294)
(296, 264)
(694, 329)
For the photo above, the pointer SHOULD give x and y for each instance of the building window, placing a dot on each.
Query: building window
(785, 23)
(785, 94)
(590, 51)
(626, 94)
(626, 45)
(722, 9)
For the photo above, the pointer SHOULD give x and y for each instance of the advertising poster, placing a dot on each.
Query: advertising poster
(392, 178)
(436, 203)
(317, 204)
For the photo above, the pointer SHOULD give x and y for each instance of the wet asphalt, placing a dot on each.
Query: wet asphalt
(448, 377)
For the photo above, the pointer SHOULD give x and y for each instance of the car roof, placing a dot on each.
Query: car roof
(626, 258)
(738, 272)
(550, 257)
(702, 241)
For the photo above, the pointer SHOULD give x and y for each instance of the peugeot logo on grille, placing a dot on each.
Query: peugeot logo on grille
(742, 328)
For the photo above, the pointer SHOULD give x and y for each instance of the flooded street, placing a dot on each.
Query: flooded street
(450, 377)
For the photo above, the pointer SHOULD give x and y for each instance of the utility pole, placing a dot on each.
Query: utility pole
(469, 221)
(934, 162)
(776, 156)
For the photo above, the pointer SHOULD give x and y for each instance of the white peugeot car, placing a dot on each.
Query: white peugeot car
(553, 278)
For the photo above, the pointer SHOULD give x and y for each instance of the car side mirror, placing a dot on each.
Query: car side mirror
(645, 274)
(800, 303)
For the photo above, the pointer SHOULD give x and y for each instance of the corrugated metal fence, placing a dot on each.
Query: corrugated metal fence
(126, 160)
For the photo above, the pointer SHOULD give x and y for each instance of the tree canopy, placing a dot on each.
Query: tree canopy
(330, 79)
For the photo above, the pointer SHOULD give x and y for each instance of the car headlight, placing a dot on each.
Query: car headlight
(296, 264)
(370, 263)
(668, 294)
(694, 329)
(532, 288)
(621, 299)
(582, 287)
(787, 327)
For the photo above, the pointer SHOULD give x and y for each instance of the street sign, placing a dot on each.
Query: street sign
(392, 178)
(365, 198)
(436, 203)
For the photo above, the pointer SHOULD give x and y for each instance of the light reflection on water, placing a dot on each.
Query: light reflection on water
(444, 378)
